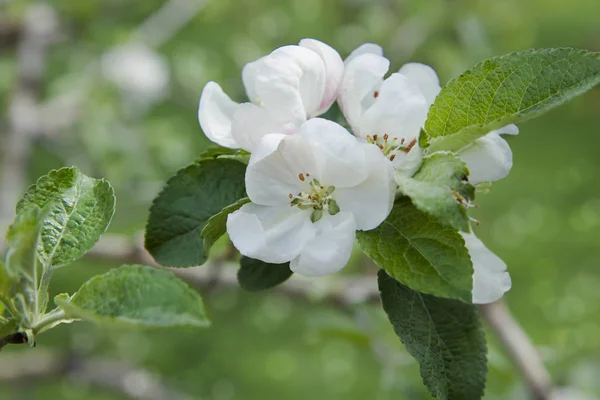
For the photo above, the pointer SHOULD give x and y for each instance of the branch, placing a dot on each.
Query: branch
(219, 273)
(519, 348)
(104, 373)
(344, 291)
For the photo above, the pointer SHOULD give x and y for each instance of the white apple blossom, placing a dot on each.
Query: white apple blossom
(285, 88)
(391, 113)
(310, 192)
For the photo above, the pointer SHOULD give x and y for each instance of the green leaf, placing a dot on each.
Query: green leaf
(508, 89)
(444, 336)
(79, 210)
(136, 295)
(181, 211)
(255, 275)
(216, 226)
(214, 153)
(440, 188)
(420, 252)
(21, 289)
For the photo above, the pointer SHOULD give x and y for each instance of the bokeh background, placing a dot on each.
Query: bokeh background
(119, 99)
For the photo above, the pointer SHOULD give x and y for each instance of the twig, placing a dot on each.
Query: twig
(519, 348)
(104, 373)
(345, 291)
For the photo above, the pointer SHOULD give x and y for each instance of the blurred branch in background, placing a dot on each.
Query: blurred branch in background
(519, 347)
(342, 291)
(39, 30)
(26, 368)
(168, 20)
(222, 273)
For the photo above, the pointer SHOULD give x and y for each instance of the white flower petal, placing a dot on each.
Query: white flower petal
(321, 150)
(371, 201)
(339, 159)
(330, 249)
(490, 279)
(273, 83)
(510, 129)
(367, 48)
(362, 77)
(424, 77)
(289, 83)
(271, 234)
(250, 124)
(215, 113)
(274, 173)
(488, 158)
(267, 145)
(400, 110)
(334, 69)
(312, 77)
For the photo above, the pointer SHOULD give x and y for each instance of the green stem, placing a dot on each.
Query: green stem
(49, 320)
(42, 290)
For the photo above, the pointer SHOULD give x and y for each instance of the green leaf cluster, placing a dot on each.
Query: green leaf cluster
(58, 220)
(426, 276)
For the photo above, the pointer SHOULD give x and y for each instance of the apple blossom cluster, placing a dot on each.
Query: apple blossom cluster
(312, 183)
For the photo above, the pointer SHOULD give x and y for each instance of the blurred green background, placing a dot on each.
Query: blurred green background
(137, 128)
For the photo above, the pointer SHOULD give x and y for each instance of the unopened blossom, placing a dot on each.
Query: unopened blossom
(310, 192)
(285, 88)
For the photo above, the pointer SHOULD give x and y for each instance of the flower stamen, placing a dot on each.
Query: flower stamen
(318, 199)
(389, 146)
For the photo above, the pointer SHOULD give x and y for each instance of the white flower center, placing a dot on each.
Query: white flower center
(389, 147)
(318, 199)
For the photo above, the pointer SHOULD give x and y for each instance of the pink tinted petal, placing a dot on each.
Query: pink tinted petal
(334, 69)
